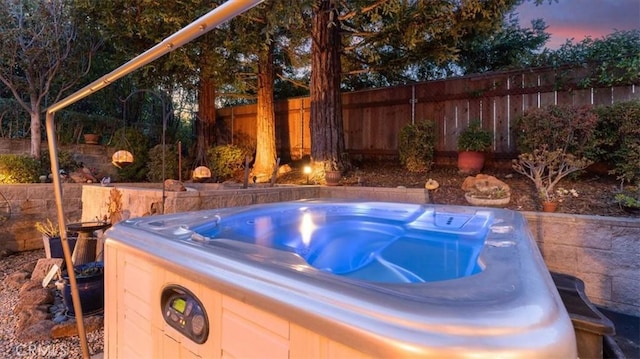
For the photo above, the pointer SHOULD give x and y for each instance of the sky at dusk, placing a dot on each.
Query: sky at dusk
(577, 19)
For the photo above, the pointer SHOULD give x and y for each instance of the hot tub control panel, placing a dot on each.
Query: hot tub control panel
(185, 313)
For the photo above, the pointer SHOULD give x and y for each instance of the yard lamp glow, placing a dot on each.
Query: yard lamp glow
(307, 171)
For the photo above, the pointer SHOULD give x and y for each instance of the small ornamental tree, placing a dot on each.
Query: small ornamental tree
(546, 168)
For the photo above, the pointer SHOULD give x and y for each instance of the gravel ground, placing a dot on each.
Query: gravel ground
(10, 346)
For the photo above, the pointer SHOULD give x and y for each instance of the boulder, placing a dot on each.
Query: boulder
(483, 184)
(174, 186)
(16, 279)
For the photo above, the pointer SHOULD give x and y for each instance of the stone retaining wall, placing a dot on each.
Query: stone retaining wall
(602, 251)
(31, 203)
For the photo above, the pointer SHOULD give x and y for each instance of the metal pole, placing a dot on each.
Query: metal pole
(180, 161)
(199, 27)
(57, 189)
(164, 155)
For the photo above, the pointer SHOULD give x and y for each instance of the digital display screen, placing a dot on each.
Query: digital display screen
(179, 304)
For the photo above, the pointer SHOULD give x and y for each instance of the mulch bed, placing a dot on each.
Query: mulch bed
(596, 191)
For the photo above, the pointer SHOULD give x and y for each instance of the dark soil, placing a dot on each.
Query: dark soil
(595, 191)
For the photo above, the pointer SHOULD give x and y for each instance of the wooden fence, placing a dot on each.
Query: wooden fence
(373, 118)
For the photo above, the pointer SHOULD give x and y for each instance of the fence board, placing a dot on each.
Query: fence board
(373, 119)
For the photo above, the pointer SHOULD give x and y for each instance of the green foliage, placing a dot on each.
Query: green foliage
(619, 138)
(65, 161)
(570, 129)
(154, 166)
(474, 138)
(510, 47)
(628, 200)
(609, 61)
(136, 142)
(226, 161)
(19, 169)
(416, 146)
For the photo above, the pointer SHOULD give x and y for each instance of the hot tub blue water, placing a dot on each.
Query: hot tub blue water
(386, 243)
(388, 279)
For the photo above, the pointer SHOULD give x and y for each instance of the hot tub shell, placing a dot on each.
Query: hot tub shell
(266, 302)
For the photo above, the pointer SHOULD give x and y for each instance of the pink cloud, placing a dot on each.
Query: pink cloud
(578, 19)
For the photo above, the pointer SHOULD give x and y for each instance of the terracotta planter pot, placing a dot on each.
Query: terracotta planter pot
(332, 177)
(470, 162)
(91, 138)
(549, 206)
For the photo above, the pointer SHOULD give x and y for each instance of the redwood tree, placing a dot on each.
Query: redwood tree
(327, 143)
(266, 124)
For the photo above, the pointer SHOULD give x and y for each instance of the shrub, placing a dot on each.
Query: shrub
(154, 166)
(618, 139)
(474, 138)
(65, 160)
(19, 169)
(547, 168)
(570, 129)
(416, 144)
(226, 161)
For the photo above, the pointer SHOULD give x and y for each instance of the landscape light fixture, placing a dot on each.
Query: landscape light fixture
(201, 173)
(307, 170)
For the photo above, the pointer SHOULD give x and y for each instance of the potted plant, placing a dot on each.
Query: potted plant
(472, 143)
(90, 283)
(332, 173)
(51, 239)
(90, 132)
(485, 190)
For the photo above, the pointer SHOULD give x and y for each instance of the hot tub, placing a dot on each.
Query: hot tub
(338, 279)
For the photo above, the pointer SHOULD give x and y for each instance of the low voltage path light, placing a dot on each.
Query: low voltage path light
(197, 28)
(307, 170)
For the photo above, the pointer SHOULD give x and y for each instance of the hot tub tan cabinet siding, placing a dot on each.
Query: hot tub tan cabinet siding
(135, 328)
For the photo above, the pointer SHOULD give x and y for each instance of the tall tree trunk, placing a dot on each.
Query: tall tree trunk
(327, 137)
(266, 123)
(36, 134)
(205, 128)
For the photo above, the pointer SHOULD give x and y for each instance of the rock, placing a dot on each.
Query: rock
(29, 266)
(483, 183)
(174, 186)
(43, 266)
(83, 175)
(69, 328)
(29, 286)
(32, 295)
(15, 280)
(38, 331)
(30, 324)
(60, 318)
(284, 169)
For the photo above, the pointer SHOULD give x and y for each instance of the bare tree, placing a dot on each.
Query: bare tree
(41, 54)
